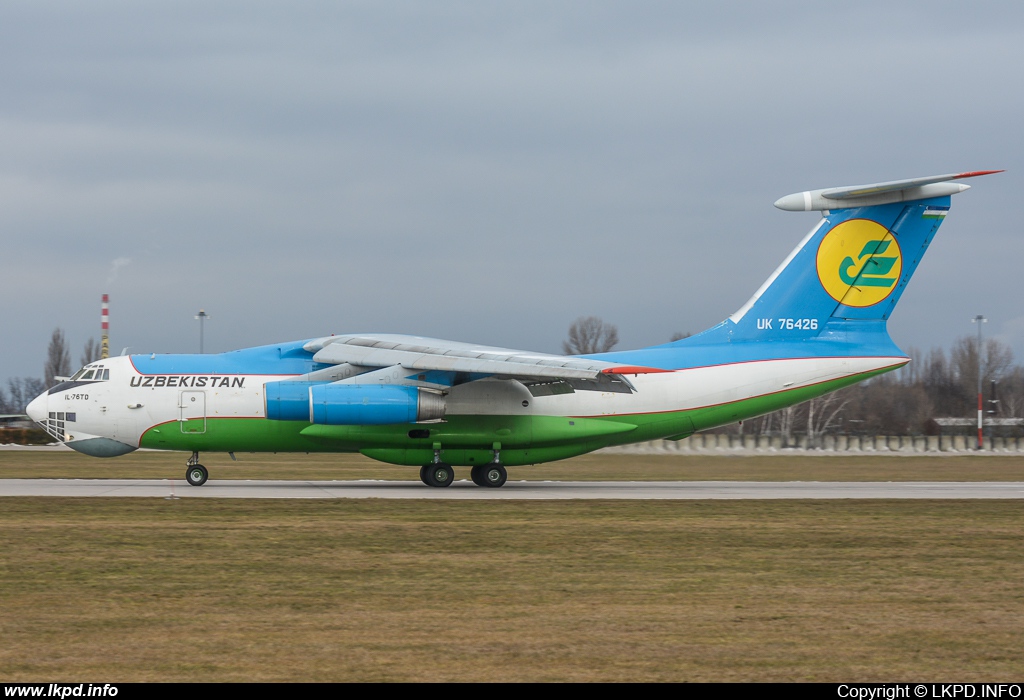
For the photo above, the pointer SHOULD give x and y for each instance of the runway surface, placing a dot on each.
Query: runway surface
(531, 490)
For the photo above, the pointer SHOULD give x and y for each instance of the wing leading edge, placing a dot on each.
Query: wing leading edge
(469, 361)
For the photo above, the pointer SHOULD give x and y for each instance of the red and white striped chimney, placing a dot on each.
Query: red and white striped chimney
(105, 324)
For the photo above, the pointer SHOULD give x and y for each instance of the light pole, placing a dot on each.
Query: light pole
(202, 316)
(979, 319)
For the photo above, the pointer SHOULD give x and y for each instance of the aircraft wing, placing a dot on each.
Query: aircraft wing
(476, 361)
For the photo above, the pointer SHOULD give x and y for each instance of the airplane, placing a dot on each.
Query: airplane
(817, 324)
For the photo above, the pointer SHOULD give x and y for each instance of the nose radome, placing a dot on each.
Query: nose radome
(36, 410)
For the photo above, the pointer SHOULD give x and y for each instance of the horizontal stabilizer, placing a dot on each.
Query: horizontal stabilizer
(878, 193)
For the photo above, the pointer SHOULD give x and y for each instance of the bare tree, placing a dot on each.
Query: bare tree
(996, 358)
(589, 334)
(58, 359)
(822, 415)
(1011, 393)
(91, 352)
(19, 393)
(787, 417)
(678, 335)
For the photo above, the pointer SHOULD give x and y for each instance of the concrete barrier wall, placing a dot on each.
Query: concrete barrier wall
(854, 444)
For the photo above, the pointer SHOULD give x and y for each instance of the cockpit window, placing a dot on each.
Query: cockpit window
(96, 374)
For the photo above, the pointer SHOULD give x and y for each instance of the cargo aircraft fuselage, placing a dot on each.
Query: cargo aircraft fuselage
(816, 325)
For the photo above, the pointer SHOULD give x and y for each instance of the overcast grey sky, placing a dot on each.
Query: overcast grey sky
(484, 172)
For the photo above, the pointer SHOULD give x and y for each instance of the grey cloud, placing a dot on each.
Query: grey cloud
(480, 172)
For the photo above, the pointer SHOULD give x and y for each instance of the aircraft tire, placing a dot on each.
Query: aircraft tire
(493, 475)
(439, 475)
(423, 473)
(477, 475)
(196, 475)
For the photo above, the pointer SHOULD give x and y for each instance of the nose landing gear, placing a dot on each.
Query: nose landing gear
(196, 474)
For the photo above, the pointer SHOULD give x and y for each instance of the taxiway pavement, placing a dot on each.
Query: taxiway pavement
(529, 490)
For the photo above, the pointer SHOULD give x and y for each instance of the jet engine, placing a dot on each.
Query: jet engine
(351, 404)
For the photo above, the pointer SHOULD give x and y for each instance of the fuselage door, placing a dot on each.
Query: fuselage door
(192, 407)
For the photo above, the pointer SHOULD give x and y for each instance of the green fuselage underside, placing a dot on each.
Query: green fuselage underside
(465, 440)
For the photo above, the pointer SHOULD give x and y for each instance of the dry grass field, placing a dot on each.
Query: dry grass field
(201, 590)
(388, 590)
(611, 467)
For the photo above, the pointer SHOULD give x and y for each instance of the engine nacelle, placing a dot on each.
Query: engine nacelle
(287, 400)
(351, 404)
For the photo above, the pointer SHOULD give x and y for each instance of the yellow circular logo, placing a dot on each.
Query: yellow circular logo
(859, 263)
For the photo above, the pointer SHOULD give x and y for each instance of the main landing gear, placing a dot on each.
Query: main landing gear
(437, 474)
(492, 475)
(196, 473)
(440, 475)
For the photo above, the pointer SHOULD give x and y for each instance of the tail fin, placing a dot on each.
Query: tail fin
(855, 264)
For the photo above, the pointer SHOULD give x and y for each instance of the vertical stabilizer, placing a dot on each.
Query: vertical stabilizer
(854, 265)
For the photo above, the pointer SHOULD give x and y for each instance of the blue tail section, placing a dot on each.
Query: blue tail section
(834, 293)
(853, 266)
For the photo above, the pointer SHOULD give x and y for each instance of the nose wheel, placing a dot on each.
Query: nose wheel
(196, 474)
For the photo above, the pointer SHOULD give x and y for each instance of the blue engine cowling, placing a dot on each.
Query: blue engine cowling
(287, 400)
(351, 404)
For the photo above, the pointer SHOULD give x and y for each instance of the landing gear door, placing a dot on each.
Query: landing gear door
(192, 407)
